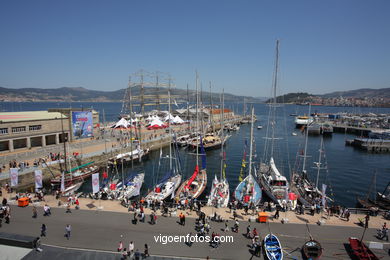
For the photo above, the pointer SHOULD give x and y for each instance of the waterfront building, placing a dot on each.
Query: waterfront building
(29, 129)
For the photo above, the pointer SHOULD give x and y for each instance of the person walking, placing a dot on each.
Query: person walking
(43, 230)
(120, 246)
(35, 213)
(276, 216)
(146, 251)
(68, 229)
(248, 231)
(226, 226)
(367, 219)
(131, 248)
(184, 219)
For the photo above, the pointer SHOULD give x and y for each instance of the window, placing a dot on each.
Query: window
(18, 129)
(3, 131)
(35, 127)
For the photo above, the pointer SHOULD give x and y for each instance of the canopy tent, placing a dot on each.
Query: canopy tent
(170, 118)
(156, 124)
(178, 120)
(122, 123)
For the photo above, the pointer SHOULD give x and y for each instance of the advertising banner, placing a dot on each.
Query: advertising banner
(13, 172)
(38, 179)
(82, 124)
(95, 182)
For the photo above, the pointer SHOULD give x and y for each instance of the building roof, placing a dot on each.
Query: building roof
(7, 117)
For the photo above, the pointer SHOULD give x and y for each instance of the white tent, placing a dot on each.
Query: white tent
(122, 123)
(157, 122)
(169, 117)
(178, 120)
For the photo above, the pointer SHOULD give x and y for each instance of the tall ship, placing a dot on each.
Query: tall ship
(273, 183)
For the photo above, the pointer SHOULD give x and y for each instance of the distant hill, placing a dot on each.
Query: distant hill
(360, 93)
(292, 98)
(75, 94)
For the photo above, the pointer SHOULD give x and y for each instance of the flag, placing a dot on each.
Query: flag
(63, 182)
(224, 170)
(323, 195)
(13, 175)
(95, 182)
(38, 179)
(203, 154)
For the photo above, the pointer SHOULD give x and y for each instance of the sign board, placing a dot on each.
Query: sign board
(82, 124)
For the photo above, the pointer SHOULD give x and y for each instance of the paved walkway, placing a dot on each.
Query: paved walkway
(101, 230)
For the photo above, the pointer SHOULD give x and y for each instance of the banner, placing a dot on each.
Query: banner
(95, 182)
(13, 175)
(38, 179)
(323, 195)
(82, 124)
(62, 182)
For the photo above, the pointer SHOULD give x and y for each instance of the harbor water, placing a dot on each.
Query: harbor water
(349, 170)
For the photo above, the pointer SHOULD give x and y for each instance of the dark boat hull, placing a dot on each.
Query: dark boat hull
(312, 249)
(360, 251)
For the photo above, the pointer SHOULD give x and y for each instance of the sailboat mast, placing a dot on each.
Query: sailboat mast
(211, 111)
(131, 125)
(222, 133)
(169, 123)
(306, 139)
(197, 118)
(319, 160)
(251, 143)
(275, 83)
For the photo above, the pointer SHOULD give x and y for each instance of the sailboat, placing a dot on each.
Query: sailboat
(219, 195)
(300, 183)
(249, 191)
(274, 184)
(168, 184)
(195, 185)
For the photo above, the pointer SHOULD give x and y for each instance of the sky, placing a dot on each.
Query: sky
(325, 46)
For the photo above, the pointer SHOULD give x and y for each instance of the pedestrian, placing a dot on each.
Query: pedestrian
(226, 225)
(68, 228)
(124, 254)
(347, 214)
(137, 255)
(131, 248)
(184, 220)
(135, 218)
(276, 216)
(367, 218)
(248, 231)
(43, 230)
(34, 210)
(146, 251)
(68, 209)
(120, 246)
(142, 217)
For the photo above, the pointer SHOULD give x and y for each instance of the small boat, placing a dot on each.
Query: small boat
(259, 127)
(302, 121)
(272, 247)
(164, 188)
(312, 249)
(75, 175)
(136, 156)
(70, 190)
(294, 134)
(133, 185)
(360, 251)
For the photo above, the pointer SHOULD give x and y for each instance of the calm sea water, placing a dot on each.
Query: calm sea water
(349, 170)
